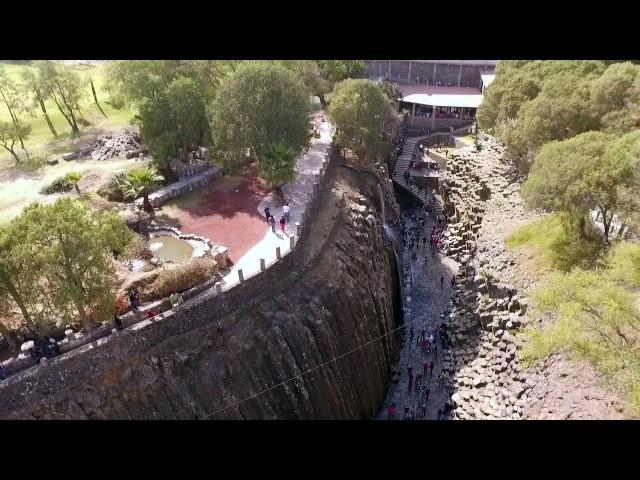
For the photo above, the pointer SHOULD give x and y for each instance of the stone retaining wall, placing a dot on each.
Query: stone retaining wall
(188, 184)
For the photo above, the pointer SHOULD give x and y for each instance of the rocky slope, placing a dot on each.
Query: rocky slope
(220, 358)
(490, 306)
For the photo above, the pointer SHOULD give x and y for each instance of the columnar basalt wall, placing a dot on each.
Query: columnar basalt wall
(204, 360)
(482, 368)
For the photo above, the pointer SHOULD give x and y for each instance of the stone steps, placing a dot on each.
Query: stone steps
(402, 165)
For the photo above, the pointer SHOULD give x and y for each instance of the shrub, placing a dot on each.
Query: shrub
(183, 277)
(62, 184)
(113, 190)
(122, 305)
(138, 248)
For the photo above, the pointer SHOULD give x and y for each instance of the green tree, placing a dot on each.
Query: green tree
(312, 77)
(337, 70)
(71, 247)
(278, 166)
(64, 87)
(10, 134)
(261, 104)
(18, 276)
(623, 157)
(140, 182)
(391, 90)
(16, 102)
(33, 83)
(358, 110)
(612, 90)
(580, 174)
(136, 82)
(176, 118)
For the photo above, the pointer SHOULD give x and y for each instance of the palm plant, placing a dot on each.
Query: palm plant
(139, 183)
(72, 179)
(278, 166)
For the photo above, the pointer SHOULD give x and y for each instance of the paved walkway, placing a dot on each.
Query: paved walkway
(428, 300)
(297, 194)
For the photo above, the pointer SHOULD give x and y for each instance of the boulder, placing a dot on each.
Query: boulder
(69, 156)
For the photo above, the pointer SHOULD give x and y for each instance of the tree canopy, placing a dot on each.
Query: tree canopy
(585, 172)
(61, 261)
(258, 106)
(358, 110)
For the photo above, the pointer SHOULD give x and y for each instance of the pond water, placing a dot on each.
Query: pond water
(171, 249)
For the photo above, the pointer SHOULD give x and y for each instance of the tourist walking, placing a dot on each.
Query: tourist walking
(426, 395)
(406, 413)
(272, 222)
(411, 335)
(453, 281)
(118, 322)
(267, 213)
(431, 368)
(283, 223)
(424, 410)
(286, 212)
(441, 282)
(425, 368)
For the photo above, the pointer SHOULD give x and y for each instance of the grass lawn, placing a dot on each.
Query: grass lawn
(41, 142)
(613, 296)
(554, 245)
(20, 189)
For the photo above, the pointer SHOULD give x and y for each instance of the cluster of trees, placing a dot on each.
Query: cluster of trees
(56, 263)
(247, 111)
(572, 125)
(171, 98)
(43, 81)
(531, 103)
(591, 171)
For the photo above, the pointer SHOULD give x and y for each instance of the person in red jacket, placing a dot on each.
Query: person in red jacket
(391, 409)
(283, 223)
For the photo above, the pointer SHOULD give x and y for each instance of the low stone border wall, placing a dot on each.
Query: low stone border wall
(187, 184)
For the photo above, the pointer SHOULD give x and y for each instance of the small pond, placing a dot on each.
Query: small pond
(169, 248)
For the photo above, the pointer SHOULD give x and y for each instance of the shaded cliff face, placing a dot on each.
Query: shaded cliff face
(337, 292)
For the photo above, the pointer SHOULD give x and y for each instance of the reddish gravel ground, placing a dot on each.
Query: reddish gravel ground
(224, 211)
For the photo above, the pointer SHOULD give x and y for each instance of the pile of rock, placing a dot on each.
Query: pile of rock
(127, 144)
(481, 367)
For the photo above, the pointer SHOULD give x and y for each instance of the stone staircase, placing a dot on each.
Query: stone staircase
(409, 154)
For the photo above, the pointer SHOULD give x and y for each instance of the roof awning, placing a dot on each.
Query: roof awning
(487, 79)
(439, 100)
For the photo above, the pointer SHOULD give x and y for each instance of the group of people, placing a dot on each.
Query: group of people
(284, 219)
(426, 340)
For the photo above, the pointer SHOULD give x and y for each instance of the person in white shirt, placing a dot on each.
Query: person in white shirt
(286, 211)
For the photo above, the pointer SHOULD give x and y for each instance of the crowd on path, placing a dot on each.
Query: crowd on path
(419, 393)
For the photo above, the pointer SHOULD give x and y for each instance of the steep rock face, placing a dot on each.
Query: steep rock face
(209, 359)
